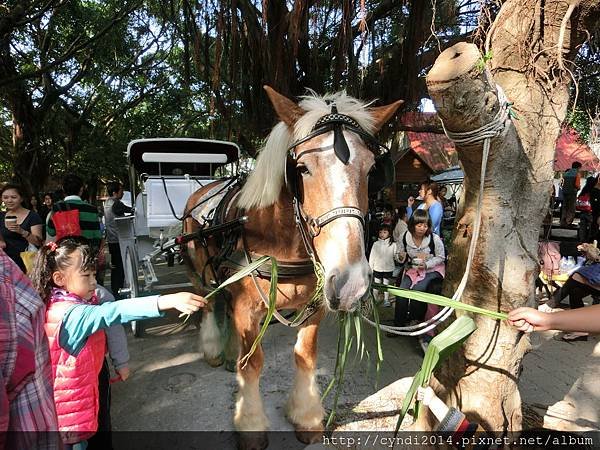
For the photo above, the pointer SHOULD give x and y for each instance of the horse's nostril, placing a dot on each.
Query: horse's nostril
(332, 278)
(331, 292)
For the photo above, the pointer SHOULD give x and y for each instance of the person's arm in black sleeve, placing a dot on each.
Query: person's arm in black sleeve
(120, 209)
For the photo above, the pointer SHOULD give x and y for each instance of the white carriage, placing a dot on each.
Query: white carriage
(166, 171)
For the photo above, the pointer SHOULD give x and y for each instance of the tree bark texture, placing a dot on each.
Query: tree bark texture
(481, 379)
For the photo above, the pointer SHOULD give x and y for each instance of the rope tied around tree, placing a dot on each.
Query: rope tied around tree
(485, 133)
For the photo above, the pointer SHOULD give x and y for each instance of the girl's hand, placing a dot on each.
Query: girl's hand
(123, 373)
(410, 201)
(591, 253)
(529, 319)
(186, 302)
(2, 244)
(425, 395)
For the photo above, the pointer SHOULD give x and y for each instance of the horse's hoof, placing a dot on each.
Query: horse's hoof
(215, 361)
(231, 365)
(310, 436)
(252, 440)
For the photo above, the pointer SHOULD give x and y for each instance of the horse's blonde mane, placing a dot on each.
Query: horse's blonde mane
(266, 180)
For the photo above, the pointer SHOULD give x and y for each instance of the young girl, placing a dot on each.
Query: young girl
(381, 259)
(64, 275)
(424, 251)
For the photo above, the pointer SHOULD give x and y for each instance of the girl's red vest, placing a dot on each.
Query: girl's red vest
(75, 377)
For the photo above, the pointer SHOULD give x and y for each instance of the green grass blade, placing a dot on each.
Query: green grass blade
(377, 329)
(270, 309)
(247, 271)
(357, 329)
(440, 347)
(408, 398)
(378, 339)
(440, 300)
(348, 339)
(238, 276)
(337, 359)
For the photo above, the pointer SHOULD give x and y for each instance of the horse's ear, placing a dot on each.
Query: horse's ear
(286, 110)
(382, 114)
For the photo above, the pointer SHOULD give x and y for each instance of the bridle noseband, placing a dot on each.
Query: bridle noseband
(308, 226)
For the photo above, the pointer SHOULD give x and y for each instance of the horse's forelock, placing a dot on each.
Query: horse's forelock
(316, 107)
(266, 180)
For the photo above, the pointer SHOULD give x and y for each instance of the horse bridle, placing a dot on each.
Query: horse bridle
(311, 227)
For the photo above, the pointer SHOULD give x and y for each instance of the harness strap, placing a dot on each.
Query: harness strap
(305, 313)
(285, 269)
(227, 185)
(315, 225)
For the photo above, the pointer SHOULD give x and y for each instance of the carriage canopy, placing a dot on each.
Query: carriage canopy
(178, 156)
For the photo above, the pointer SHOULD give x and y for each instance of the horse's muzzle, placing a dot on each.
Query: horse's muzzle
(346, 289)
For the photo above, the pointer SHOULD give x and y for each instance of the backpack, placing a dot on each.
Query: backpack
(583, 203)
(66, 221)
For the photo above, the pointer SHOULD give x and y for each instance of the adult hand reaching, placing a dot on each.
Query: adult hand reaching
(528, 319)
(585, 319)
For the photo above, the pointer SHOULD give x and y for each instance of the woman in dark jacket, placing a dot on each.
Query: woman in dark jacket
(586, 230)
(595, 202)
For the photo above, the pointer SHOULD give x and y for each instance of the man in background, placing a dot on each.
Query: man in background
(88, 220)
(570, 187)
(113, 208)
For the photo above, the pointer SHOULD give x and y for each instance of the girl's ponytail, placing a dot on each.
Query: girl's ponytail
(57, 256)
(41, 276)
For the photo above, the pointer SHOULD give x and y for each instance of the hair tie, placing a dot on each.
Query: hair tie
(52, 246)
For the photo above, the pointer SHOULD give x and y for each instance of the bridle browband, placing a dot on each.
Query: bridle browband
(308, 226)
(337, 123)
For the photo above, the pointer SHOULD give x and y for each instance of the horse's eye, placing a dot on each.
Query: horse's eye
(302, 170)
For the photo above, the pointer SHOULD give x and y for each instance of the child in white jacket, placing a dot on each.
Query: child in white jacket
(382, 258)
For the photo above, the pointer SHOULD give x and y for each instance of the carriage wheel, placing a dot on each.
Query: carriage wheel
(132, 280)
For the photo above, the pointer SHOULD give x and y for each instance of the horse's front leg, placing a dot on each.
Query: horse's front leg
(250, 419)
(211, 342)
(304, 409)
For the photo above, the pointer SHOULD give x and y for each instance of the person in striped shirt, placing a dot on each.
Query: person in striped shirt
(453, 424)
(89, 220)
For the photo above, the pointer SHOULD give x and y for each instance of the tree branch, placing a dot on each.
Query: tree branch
(74, 48)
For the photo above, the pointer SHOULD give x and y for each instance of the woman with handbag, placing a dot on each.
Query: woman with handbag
(20, 228)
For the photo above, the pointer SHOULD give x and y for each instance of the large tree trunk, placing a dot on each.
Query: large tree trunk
(481, 379)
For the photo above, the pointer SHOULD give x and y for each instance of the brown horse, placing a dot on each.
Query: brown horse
(314, 169)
